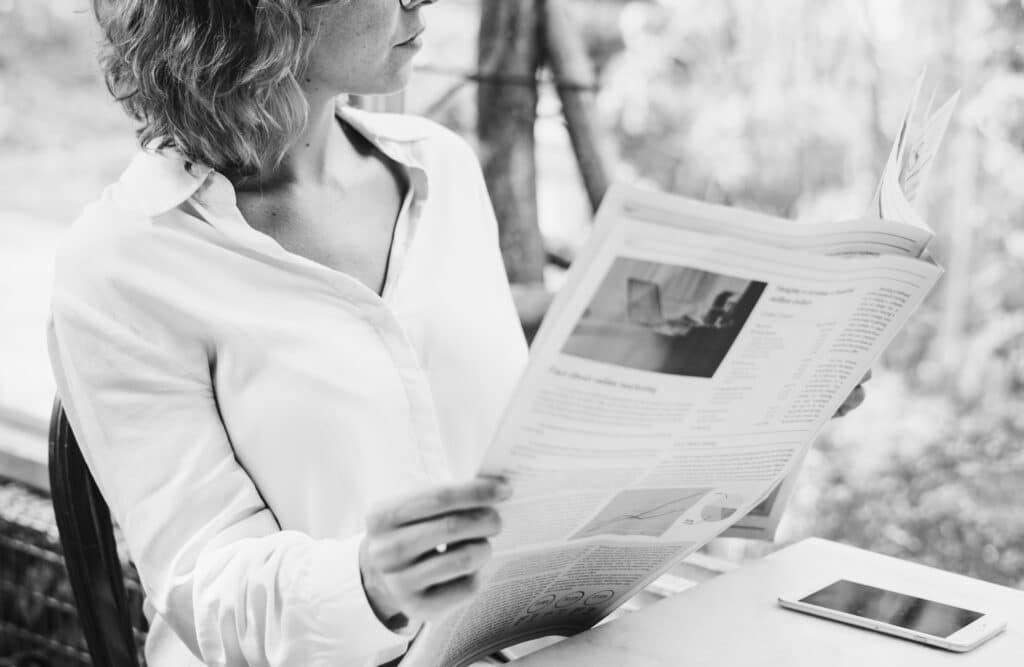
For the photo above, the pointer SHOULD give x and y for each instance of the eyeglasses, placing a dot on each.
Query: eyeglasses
(413, 4)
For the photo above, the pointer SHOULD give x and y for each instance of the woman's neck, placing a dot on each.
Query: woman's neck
(313, 157)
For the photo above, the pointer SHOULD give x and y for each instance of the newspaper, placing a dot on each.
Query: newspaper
(678, 380)
(680, 376)
(903, 178)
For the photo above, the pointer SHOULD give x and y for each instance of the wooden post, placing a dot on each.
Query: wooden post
(574, 74)
(509, 50)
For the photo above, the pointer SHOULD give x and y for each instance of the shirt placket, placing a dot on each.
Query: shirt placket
(424, 418)
(419, 186)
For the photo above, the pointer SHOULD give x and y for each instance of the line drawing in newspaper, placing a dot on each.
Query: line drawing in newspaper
(648, 512)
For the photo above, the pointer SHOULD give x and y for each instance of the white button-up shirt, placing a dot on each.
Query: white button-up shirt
(242, 407)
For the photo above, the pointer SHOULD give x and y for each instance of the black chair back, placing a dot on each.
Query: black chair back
(90, 552)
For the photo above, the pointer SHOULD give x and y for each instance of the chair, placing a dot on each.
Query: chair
(90, 553)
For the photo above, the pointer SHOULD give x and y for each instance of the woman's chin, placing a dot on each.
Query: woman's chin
(399, 80)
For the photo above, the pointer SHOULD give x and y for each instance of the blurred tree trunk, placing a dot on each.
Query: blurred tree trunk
(574, 78)
(509, 51)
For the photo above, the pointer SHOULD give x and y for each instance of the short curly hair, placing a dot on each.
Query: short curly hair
(216, 80)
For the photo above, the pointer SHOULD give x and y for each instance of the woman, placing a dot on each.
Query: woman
(285, 313)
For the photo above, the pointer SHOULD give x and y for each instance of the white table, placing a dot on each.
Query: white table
(733, 620)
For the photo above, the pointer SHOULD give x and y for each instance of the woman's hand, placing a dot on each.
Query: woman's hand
(855, 398)
(421, 554)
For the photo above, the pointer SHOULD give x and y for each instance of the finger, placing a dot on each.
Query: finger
(852, 401)
(459, 560)
(402, 546)
(855, 398)
(867, 376)
(479, 492)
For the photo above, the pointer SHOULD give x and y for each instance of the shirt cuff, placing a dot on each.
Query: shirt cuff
(341, 608)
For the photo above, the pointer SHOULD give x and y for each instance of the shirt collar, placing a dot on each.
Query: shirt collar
(160, 180)
(394, 135)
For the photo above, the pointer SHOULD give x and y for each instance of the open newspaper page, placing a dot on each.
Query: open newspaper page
(905, 175)
(682, 372)
(912, 157)
(906, 172)
(920, 155)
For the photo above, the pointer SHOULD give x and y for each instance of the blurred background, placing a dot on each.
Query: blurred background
(786, 107)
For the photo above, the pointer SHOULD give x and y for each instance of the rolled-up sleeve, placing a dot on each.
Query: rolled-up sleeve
(213, 560)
